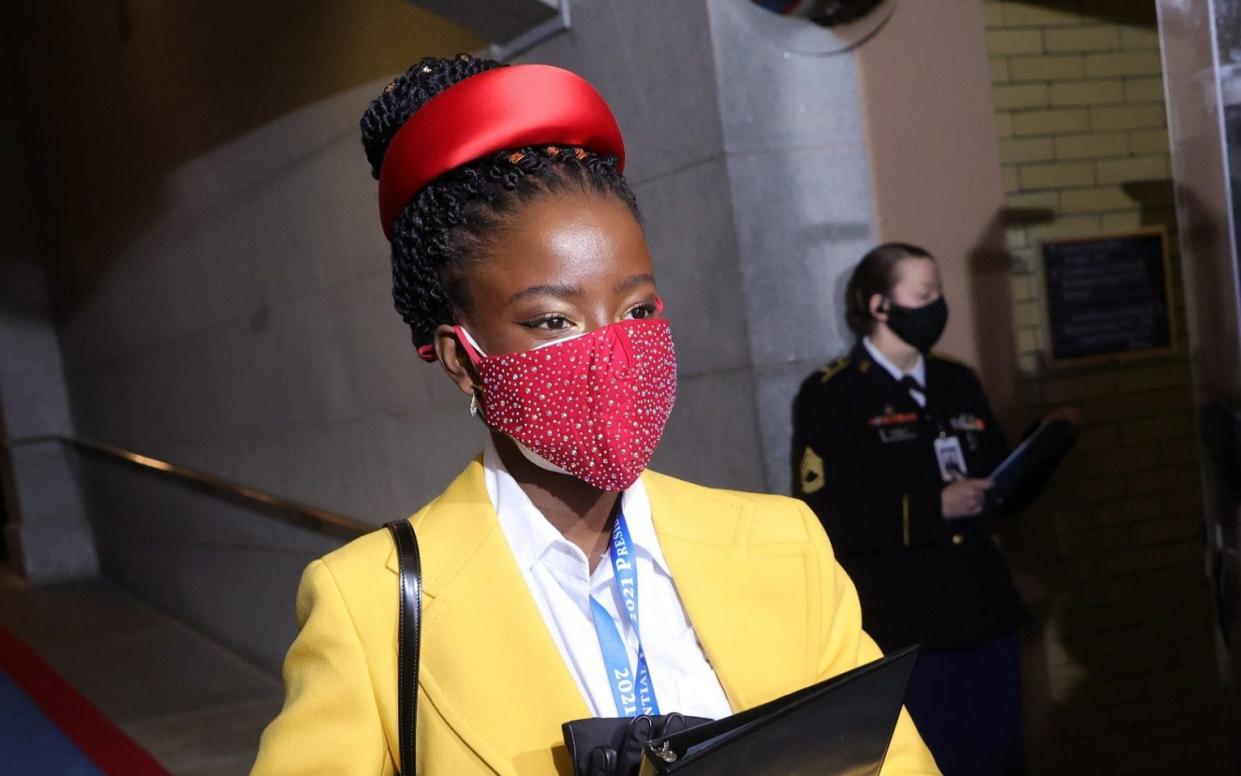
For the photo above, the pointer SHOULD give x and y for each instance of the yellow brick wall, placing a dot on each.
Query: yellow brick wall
(1125, 672)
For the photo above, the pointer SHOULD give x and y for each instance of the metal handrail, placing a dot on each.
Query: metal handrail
(319, 519)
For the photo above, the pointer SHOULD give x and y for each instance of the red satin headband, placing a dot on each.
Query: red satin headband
(508, 107)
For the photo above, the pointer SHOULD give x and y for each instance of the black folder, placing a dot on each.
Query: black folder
(838, 727)
(1030, 463)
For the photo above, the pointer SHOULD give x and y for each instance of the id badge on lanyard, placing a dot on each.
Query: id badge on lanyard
(632, 690)
(951, 458)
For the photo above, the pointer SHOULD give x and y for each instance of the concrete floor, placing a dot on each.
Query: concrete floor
(195, 706)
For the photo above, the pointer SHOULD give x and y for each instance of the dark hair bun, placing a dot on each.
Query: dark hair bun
(409, 92)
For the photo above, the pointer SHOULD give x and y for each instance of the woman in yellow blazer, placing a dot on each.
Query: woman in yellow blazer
(519, 264)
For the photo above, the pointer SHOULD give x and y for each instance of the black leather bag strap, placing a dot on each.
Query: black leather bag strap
(409, 637)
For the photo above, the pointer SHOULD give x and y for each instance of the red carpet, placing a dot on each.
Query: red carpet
(102, 742)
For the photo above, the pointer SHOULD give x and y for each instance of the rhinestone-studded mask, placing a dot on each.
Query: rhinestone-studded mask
(594, 405)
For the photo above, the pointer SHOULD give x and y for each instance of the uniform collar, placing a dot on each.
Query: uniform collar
(918, 372)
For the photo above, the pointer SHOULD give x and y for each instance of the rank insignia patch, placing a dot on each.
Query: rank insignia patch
(811, 472)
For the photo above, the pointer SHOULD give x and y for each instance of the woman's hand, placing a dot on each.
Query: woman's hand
(964, 498)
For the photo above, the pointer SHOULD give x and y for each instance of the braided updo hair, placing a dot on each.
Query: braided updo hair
(454, 220)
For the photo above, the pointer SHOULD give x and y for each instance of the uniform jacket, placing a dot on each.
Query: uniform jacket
(772, 608)
(864, 460)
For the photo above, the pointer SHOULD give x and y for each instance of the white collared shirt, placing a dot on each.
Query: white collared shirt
(918, 372)
(558, 575)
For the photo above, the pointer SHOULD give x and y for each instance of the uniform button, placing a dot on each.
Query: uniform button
(958, 538)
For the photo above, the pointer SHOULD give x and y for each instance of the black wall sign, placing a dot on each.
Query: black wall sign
(1107, 295)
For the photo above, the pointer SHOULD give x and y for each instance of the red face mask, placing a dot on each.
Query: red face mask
(594, 405)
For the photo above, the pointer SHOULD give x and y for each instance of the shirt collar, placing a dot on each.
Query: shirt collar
(918, 372)
(529, 533)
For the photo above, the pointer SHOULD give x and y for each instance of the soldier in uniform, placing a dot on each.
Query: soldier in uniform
(892, 446)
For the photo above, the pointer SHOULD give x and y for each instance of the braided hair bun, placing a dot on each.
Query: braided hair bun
(406, 94)
(454, 219)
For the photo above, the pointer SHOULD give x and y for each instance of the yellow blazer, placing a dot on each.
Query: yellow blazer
(772, 608)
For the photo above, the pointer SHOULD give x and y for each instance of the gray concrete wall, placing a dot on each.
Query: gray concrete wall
(227, 568)
(800, 185)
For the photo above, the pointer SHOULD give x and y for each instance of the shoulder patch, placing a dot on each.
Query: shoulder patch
(811, 472)
(833, 368)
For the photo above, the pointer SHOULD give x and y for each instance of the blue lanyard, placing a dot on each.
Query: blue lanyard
(631, 686)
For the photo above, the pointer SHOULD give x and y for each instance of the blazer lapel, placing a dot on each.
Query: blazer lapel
(489, 664)
(748, 604)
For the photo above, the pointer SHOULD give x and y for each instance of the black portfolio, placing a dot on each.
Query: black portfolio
(1029, 463)
(840, 726)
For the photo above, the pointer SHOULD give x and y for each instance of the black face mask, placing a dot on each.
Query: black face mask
(920, 327)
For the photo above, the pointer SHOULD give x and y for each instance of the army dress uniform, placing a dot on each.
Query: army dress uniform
(871, 461)
(866, 463)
